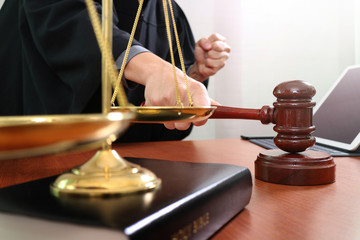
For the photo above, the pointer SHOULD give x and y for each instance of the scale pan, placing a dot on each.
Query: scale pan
(27, 136)
(161, 114)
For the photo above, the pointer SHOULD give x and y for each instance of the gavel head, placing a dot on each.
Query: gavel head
(293, 116)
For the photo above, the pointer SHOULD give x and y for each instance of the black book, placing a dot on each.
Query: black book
(194, 201)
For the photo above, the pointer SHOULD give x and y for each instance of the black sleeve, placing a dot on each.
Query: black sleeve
(63, 35)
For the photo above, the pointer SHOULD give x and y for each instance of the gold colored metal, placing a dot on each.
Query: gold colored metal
(108, 63)
(162, 114)
(26, 136)
(107, 20)
(167, 24)
(178, 47)
(106, 173)
(117, 89)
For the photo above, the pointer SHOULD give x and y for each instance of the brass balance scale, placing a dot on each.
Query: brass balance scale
(106, 173)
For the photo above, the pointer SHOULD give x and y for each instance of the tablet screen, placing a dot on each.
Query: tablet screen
(337, 118)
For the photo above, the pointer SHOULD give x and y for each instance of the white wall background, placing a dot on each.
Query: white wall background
(273, 41)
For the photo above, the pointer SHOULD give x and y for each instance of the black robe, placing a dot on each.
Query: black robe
(50, 62)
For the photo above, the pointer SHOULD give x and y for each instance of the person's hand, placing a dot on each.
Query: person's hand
(160, 91)
(158, 78)
(210, 54)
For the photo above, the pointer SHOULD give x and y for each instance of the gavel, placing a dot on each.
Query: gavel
(292, 115)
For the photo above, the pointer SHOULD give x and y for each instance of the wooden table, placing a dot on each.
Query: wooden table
(275, 211)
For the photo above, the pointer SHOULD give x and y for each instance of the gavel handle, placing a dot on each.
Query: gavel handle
(265, 114)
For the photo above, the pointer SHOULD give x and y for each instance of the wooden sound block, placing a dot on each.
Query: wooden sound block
(302, 169)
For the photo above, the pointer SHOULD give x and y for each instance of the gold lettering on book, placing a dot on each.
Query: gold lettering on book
(187, 231)
(201, 222)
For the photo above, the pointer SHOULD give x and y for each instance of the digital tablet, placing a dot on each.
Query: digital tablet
(337, 115)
